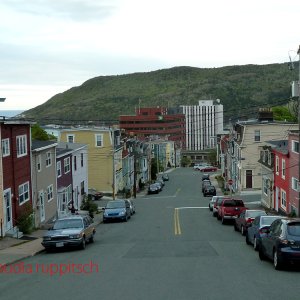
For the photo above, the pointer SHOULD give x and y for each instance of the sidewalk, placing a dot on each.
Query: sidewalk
(13, 250)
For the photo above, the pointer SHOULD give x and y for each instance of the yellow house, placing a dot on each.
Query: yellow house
(104, 156)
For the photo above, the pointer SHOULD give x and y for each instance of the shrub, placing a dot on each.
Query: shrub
(88, 205)
(25, 219)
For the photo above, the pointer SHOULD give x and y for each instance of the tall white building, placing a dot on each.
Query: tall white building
(203, 122)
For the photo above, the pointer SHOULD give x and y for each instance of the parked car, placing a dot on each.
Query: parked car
(208, 169)
(205, 177)
(159, 185)
(255, 231)
(245, 219)
(132, 206)
(165, 177)
(198, 166)
(281, 244)
(94, 194)
(118, 209)
(212, 202)
(229, 209)
(209, 190)
(205, 183)
(153, 188)
(217, 204)
(70, 231)
(161, 181)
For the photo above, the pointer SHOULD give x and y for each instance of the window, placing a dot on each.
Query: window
(269, 158)
(283, 198)
(283, 168)
(48, 159)
(50, 192)
(295, 184)
(67, 165)
(265, 186)
(81, 160)
(39, 163)
(70, 138)
(277, 165)
(5, 147)
(256, 135)
(99, 140)
(21, 145)
(58, 168)
(23, 193)
(75, 163)
(295, 146)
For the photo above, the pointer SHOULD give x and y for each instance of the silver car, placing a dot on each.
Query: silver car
(70, 231)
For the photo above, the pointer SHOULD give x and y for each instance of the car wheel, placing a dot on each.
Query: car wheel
(91, 240)
(247, 239)
(255, 244)
(83, 244)
(235, 227)
(276, 261)
(126, 219)
(261, 254)
(243, 231)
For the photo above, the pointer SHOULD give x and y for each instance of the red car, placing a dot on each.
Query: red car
(208, 169)
(245, 219)
(229, 209)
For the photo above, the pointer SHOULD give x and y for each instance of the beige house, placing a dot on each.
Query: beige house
(104, 156)
(245, 142)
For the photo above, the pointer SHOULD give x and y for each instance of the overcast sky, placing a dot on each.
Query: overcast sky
(49, 46)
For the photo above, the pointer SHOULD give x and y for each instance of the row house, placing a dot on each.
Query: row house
(15, 176)
(79, 169)
(104, 156)
(280, 174)
(44, 183)
(244, 145)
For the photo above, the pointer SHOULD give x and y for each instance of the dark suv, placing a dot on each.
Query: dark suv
(209, 190)
(281, 243)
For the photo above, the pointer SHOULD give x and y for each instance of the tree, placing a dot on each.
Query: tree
(283, 113)
(38, 133)
(186, 161)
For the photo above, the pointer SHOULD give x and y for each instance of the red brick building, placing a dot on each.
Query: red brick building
(155, 121)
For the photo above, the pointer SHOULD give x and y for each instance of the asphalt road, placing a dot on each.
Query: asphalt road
(171, 249)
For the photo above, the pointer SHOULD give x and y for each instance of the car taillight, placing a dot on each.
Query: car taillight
(249, 220)
(287, 242)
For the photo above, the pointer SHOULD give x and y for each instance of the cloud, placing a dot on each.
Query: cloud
(76, 10)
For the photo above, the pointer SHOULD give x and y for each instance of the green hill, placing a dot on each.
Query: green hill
(241, 89)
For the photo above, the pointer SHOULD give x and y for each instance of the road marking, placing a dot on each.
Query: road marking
(187, 207)
(178, 190)
(177, 228)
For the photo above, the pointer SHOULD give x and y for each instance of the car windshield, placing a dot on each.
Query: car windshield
(68, 223)
(294, 228)
(115, 204)
(268, 220)
(233, 203)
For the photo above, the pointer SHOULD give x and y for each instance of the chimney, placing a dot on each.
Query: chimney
(265, 114)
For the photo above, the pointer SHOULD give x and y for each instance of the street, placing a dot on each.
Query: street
(172, 248)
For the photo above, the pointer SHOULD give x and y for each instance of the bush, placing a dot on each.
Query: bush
(89, 206)
(25, 219)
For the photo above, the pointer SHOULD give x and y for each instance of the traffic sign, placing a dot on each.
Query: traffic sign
(230, 181)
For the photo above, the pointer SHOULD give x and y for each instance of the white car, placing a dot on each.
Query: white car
(200, 166)
(212, 202)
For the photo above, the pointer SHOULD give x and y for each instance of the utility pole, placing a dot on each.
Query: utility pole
(299, 133)
(114, 167)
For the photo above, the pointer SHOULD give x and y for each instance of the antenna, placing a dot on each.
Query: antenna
(291, 64)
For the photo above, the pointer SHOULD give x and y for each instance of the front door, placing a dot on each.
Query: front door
(248, 179)
(7, 204)
(42, 206)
